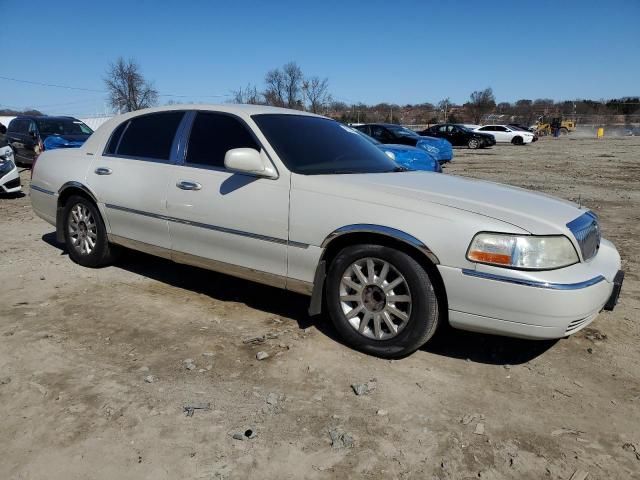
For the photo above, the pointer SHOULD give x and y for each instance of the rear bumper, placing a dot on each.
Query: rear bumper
(541, 305)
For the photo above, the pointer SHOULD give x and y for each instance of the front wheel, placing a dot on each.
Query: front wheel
(473, 143)
(517, 141)
(381, 300)
(85, 234)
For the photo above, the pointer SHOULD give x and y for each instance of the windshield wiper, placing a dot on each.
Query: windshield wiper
(401, 169)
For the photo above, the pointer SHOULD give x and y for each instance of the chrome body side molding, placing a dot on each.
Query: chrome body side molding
(382, 230)
(534, 283)
(216, 228)
(245, 273)
(42, 190)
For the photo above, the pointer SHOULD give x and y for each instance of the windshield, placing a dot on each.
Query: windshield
(62, 126)
(318, 146)
(405, 132)
(462, 127)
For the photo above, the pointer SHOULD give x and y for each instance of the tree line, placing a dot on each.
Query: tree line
(288, 86)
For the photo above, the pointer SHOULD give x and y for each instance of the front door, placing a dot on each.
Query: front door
(224, 220)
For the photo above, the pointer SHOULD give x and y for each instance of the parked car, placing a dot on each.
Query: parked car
(31, 135)
(521, 126)
(505, 134)
(409, 157)
(390, 253)
(9, 175)
(389, 133)
(523, 129)
(460, 136)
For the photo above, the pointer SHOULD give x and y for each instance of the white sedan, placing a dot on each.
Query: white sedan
(9, 175)
(303, 203)
(507, 134)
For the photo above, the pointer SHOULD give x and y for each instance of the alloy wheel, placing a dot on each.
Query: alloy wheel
(83, 230)
(375, 298)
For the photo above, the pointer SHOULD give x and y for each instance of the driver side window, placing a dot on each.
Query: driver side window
(212, 135)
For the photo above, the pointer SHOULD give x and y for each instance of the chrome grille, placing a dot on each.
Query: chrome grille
(586, 230)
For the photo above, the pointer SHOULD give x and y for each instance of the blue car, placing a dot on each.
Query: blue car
(406, 156)
(389, 133)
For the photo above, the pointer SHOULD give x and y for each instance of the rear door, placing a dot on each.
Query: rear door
(218, 217)
(130, 177)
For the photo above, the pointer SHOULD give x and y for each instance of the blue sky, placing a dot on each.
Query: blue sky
(371, 51)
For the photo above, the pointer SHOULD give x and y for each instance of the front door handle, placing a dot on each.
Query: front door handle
(188, 185)
(103, 171)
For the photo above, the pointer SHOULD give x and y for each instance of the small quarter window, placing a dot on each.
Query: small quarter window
(212, 135)
(150, 136)
(115, 138)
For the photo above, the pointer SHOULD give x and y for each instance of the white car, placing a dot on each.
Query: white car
(301, 202)
(507, 134)
(9, 175)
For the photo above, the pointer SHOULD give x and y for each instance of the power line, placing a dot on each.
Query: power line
(50, 85)
(68, 87)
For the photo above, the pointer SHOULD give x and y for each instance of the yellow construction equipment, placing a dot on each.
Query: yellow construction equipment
(544, 127)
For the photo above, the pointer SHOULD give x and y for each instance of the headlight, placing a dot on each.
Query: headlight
(6, 166)
(391, 155)
(522, 251)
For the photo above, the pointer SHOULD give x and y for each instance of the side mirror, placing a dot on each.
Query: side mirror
(249, 161)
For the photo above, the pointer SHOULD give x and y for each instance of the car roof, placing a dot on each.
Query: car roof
(227, 107)
(381, 124)
(241, 110)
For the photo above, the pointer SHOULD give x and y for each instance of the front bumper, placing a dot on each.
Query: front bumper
(534, 305)
(10, 182)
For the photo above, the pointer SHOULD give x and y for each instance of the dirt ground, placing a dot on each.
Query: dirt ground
(77, 344)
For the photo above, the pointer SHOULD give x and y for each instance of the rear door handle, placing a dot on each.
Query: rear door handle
(188, 185)
(103, 171)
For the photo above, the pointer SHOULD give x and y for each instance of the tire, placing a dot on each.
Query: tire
(474, 143)
(83, 225)
(517, 141)
(564, 131)
(413, 297)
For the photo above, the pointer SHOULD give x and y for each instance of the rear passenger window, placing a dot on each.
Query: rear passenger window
(115, 138)
(150, 136)
(212, 135)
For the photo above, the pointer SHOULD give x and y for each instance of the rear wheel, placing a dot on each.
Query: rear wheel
(381, 300)
(517, 141)
(85, 234)
(473, 143)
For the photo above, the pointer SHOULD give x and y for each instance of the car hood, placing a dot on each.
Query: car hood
(434, 140)
(418, 191)
(412, 157)
(64, 141)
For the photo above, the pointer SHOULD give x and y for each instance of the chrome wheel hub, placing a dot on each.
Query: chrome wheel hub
(82, 229)
(375, 298)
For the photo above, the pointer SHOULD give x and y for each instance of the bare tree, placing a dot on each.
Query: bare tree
(317, 92)
(293, 79)
(248, 95)
(128, 90)
(274, 93)
(444, 106)
(284, 86)
(482, 102)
